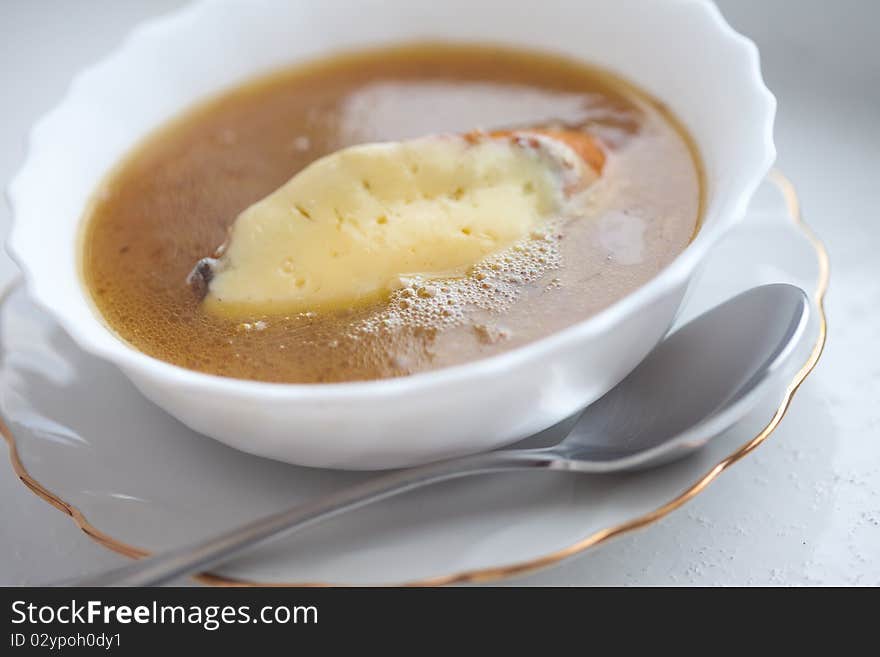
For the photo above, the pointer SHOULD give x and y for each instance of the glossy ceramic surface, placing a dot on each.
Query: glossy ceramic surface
(681, 50)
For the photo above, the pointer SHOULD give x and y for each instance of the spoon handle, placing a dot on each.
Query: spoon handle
(167, 566)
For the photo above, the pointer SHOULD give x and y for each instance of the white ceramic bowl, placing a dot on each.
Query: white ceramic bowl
(681, 51)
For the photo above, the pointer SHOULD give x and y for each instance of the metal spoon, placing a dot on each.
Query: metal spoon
(697, 383)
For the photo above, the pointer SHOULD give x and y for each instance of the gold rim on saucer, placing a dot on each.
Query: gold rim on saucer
(498, 573)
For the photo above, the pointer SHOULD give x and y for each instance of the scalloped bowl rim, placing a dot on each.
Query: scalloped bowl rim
(117, 351)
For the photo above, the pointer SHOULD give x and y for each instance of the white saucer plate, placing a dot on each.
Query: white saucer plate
(138, 481)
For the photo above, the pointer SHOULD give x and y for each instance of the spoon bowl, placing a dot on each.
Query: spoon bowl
(720, 365)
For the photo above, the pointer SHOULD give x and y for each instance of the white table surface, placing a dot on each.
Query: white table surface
(805, 508)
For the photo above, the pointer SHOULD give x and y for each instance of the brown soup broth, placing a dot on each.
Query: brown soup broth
(170, 204)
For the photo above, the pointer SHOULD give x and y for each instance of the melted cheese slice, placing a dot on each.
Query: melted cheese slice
(353, 225)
